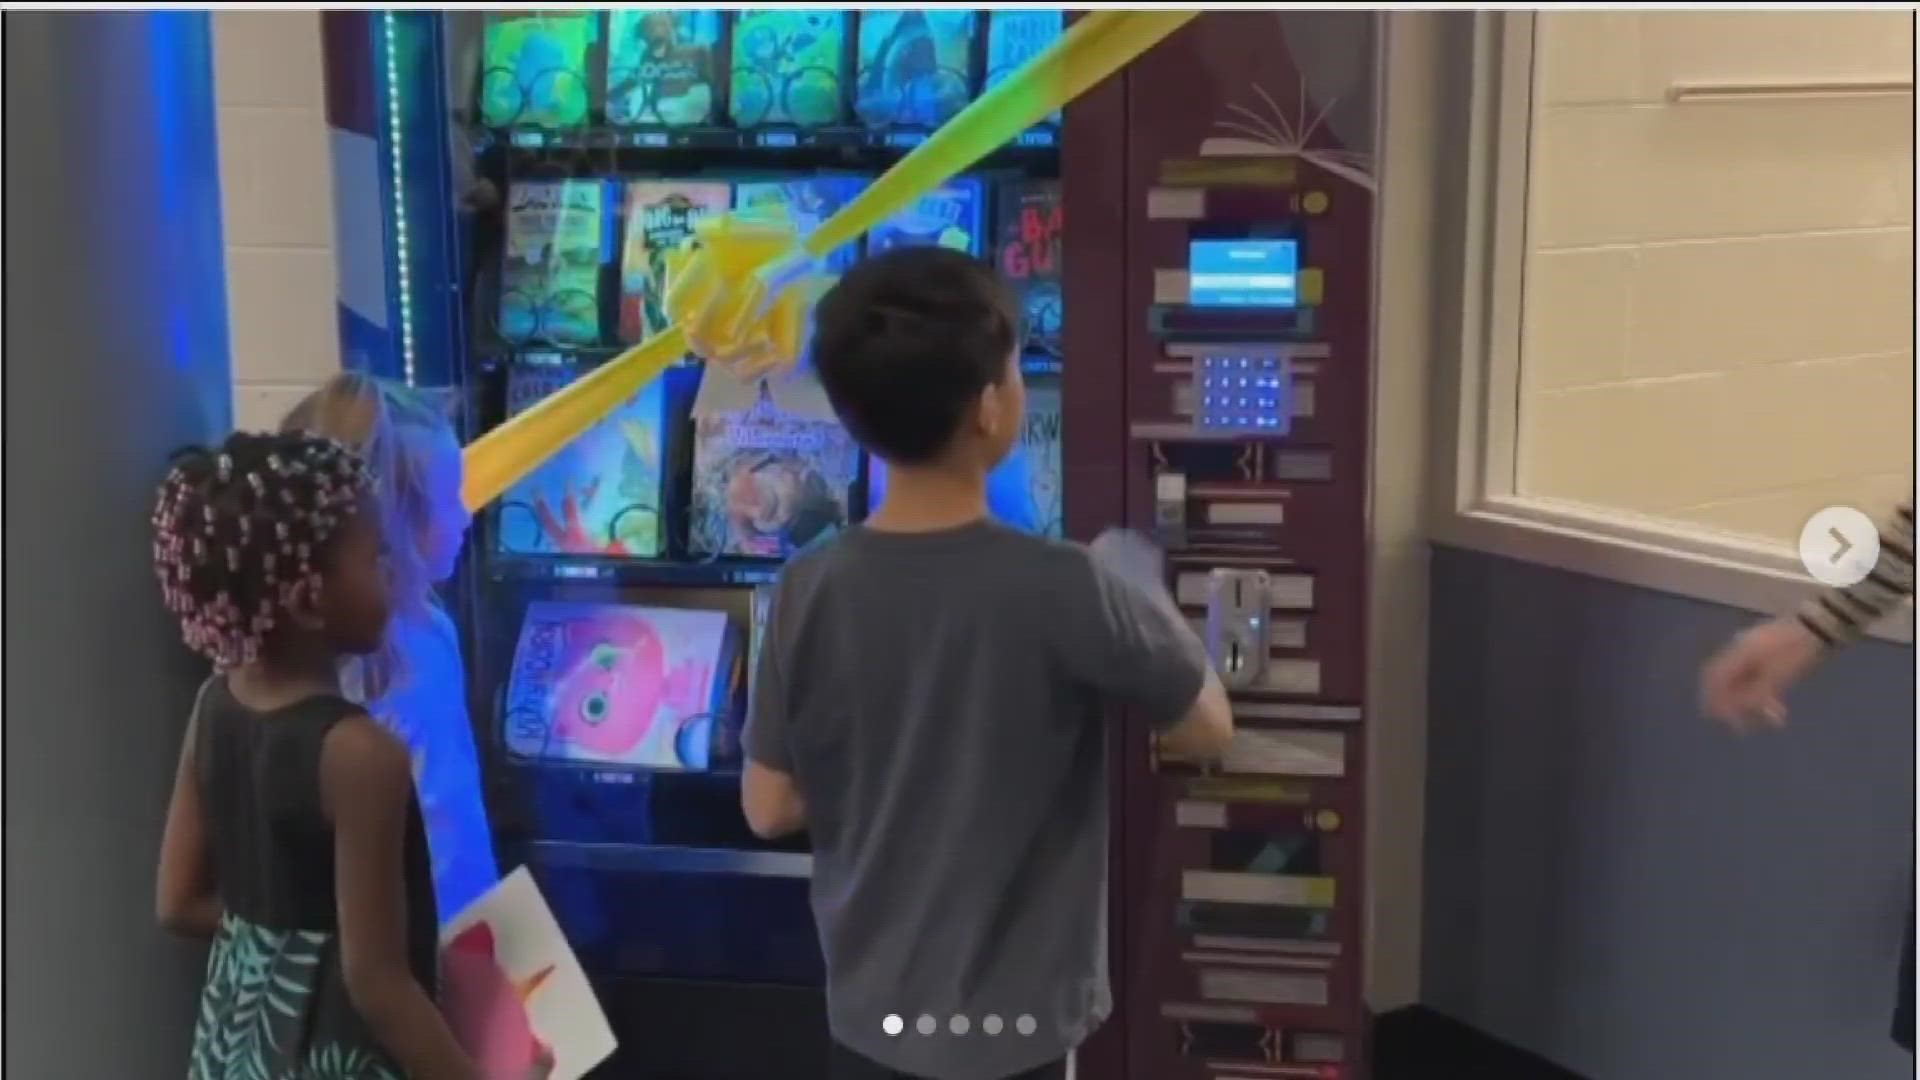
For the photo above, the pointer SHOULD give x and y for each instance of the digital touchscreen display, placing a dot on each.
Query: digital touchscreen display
(1244, 273)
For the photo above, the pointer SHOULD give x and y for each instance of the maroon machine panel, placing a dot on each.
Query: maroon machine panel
(1250, 135)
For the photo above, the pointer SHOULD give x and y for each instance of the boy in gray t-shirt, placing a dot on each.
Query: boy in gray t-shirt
(932, 704)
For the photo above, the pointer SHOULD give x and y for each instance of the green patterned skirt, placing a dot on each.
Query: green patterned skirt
(275, 1008)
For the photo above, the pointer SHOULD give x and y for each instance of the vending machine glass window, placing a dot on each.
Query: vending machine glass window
(617, 593)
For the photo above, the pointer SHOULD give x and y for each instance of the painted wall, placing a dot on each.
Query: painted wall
(116, 343)
(1618, 885)
(276, 182)
(1732, 281)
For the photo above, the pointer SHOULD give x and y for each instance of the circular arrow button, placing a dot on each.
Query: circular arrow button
(1839, 546)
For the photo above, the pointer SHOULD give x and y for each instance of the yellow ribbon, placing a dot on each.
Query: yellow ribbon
(735, 297)
(741, 288)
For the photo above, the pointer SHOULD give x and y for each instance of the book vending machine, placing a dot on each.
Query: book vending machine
(1248, 278)
(508, 184)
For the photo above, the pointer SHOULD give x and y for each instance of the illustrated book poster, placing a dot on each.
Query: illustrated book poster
(915, 66)
(806, 201)
(535, 68)
(1017, 36)
(789, 67)
(660, 214)
(663, 66)
(772, 470)
(601, 493)
(619, 684)
(550, 276)
(1027, 248)
(514, 993)
(949, 216)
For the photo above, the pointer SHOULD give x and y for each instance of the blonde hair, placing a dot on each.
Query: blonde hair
(391, 427)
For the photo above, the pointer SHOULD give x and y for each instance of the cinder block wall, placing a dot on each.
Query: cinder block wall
(276, 182)
(1719, 305)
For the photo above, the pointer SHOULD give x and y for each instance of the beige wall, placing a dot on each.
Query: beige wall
(276, 184)
(1718, 309)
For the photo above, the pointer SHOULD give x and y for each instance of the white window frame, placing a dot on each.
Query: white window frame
(1474, 503)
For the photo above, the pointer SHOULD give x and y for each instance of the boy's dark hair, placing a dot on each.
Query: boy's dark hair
(242, 530)
(906, 341)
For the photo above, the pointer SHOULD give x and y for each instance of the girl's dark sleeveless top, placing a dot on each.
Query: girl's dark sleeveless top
(273, 855)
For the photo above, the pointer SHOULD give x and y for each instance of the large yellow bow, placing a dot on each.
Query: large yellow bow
(740, 288)
(748, 331)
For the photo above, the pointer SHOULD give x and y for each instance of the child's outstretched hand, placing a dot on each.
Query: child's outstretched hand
(1742, 686)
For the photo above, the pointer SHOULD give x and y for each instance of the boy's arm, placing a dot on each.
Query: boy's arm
(1207, 729)
(771, 801)
(186, 894)
(1124, 636)
(768, 795)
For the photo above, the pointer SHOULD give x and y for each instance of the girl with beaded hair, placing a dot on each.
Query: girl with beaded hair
(293, 838)
(415, 683)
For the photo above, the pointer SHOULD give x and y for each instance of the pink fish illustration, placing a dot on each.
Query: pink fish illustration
(488, 1010)
(617, 685)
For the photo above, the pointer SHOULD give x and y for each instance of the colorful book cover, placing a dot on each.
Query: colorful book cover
(915, 66)
(767, 480)
(789, 67)
(535, 68)
(1024, 490)
(663, 66)
(615, 684)
(513, 991)
(949, 216)
(550, 279)
(1028, 250)
(1017, 36)
(807, 201)
(601, 493)
(660, 214)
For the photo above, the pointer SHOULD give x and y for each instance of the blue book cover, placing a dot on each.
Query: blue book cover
(949, 216)
(663, 66)
(808, 201)
(915, 66)
(1015, 37)
(789, 67)
(601, 494)
(1027, 249)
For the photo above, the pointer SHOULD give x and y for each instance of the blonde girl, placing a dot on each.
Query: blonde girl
(415, 683)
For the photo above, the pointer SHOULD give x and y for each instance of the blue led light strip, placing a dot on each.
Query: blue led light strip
(395, 149)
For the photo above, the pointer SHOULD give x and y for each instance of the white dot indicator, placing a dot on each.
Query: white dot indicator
(1025, 1024)
(926, 1025)
(959, 1025)
(991, 1025)
(893, 1025)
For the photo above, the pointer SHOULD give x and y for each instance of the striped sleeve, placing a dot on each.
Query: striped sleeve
(1840, 616)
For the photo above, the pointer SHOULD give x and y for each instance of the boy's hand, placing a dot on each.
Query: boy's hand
(1743, 684)
(1132, 558)
(1139, 562)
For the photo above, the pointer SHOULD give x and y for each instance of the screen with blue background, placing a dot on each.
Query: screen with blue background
(1244, 273)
